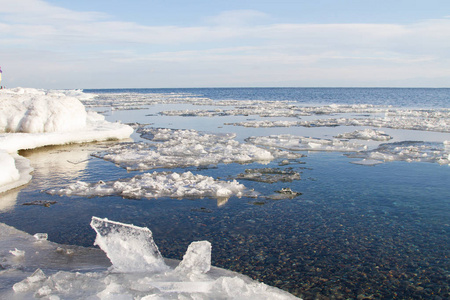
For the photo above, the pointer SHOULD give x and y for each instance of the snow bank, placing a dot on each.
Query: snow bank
(32, 118)
(155, 185)
(51, 271)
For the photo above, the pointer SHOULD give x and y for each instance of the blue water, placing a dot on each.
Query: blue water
(380, 232)
(401, 97)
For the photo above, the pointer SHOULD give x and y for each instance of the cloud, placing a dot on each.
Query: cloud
(234, 45)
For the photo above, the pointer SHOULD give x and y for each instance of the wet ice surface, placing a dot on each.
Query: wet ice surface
(340, 231)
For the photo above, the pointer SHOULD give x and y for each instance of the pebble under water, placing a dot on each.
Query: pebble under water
(346, 231)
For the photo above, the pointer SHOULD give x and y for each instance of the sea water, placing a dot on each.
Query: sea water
(350, 231)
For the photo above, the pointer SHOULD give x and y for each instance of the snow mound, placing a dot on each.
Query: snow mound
(35, 111)
(155, 185)
(32, 118)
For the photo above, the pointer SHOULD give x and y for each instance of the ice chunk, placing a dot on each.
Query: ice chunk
(18, 253)
(157, 184)
(366, 134)
(197, 259)
(183, 148)
(130, 248)
(298, 143)
(41, 236)
(30, 282)
(410, 151)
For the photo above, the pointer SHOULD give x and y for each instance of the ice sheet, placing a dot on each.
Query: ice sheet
(51, 271)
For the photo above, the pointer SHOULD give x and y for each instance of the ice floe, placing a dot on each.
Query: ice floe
(32, 118)
(300, 143)
(182, 148)
(366, 134)
(410, 151)
(36, 268)
(156, 185)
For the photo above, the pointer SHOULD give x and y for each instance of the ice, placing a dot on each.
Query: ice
(15, 171)
(47, 272)
(130, 248)
(182, 148)
(197, 259)
(270, 175)
(409, 151)
(155, 185)
(366, 134)
(32, 118)
(300, 143)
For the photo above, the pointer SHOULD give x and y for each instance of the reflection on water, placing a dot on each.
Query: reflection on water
(8, 200)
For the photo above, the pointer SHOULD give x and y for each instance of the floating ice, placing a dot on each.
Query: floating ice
(299, 143)
(410, 151)
(51, 274)
(183, 148)
(155, 185)
(366, 134)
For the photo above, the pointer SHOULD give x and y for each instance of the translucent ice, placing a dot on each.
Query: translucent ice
(197, 259)
(130, 248)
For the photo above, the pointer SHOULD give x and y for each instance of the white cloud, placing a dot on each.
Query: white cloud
(228, 48)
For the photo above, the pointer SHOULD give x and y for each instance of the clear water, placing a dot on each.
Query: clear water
(356, 231)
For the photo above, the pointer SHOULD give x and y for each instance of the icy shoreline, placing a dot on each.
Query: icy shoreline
(32, 118)
(33, 267)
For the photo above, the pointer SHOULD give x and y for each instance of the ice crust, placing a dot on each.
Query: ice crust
(32, 118)
(155, 185)
(77, 274)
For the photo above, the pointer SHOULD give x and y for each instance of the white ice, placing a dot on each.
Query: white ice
(366, 134)
(42, 269)
(182, 148)
(300, 143)
(155, 185)
(32, 118)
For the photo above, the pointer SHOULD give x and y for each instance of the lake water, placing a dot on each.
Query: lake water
(355, 231)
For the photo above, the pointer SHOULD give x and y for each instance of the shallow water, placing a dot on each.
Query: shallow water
(355, 231)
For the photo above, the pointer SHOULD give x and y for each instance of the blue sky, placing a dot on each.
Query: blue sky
(138, 43)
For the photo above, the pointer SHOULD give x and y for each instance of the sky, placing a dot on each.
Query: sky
(66, 44)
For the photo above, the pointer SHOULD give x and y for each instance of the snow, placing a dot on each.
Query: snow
(32, 118)
(37, 268)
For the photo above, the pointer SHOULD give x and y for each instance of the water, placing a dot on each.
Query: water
(379, 232)
(401, 97)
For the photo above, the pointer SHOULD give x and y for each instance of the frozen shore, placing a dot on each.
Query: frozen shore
(33, 267)
(32, 118)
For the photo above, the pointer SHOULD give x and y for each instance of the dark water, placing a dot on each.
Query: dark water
(402, 97)
(355, 232)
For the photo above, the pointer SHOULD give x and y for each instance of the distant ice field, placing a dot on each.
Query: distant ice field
(330, 192)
